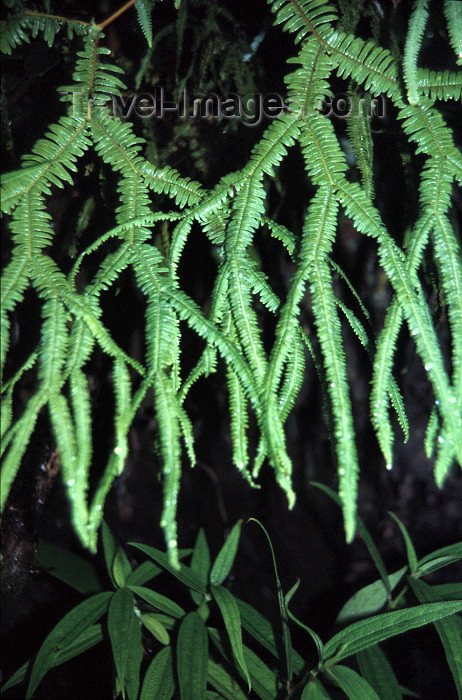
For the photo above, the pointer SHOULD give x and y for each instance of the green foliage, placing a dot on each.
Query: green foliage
(264, 377)
(190, 657)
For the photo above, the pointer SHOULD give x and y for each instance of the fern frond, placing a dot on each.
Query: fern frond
(413, 305)
(63, 428)
(207, 362)
(436, 187)
(122, 421)
(18, 28)
(445, 457)
(52, 284)
(53, 345)
(143, 11)
(170, 449)
(18, 182)
(307, 85)
(135, 203)
(281, 233)
(188, 311)
(319, 238)
(238, 425)
(350, 286)
(122, 390)
(247, 211)
(305, 16)
(117, 145)
(431, 432)
(383, 362)
(359, 133)
(272, 147)
(187, 435)
(13, 32)
(31, 225)
(15, 279)
(355, 324)
(449, 255)
(324, 161)
(292, 378)
(93, 79)
(16, 440)
(320, 220)
(259, 285)
(393, 389)
(414, 38)
(178, 241)
(81, 411)
(453, 12)
(260, 379)
(427, 128)
(365, 62)
(111, 268)
(49, 162)
(168, 181)
(439, 85)
(6, 412)
(81, 343)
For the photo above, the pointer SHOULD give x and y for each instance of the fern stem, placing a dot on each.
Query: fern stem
(116, 14)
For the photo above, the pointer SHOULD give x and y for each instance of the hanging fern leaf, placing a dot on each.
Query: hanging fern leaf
(414, 38)
(264, 371)
(453, 12)
(143, 11)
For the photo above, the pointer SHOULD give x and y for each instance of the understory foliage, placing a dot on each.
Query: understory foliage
(206, 651)
(264, 376)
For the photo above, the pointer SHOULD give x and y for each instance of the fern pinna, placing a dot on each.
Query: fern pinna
(264, 383)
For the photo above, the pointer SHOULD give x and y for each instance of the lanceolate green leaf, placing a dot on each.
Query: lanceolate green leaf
(121, 567)
(376, 670)
(225, 557)
(283, 610)
(263, 679)
(369, 600)
(439, 558)
(65, 634)
(200, 563)
(449, 630)
(410, 551)
(314, 690)
(183, 573)
(159, 680)
(86, 640)
(365, 633)
(353, 685)
(232, 619)
(192, 657)
(258, 626)
(71, 568)
(124, 626)
(143, 573)
(156, 628)
(109, 549)
(157, 600)
(222, 681)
